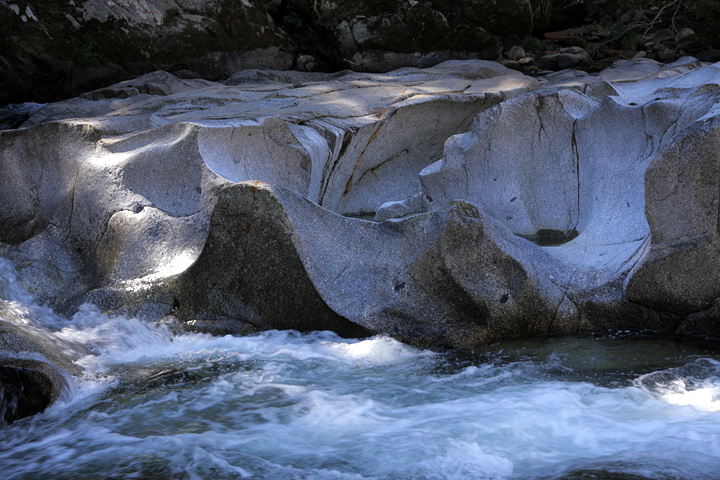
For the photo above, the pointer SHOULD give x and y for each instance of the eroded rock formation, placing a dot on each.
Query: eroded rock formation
(333, 201)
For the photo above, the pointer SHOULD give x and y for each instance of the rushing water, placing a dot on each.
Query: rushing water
(284, 405)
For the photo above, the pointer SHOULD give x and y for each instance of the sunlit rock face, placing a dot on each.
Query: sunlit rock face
(456, 205)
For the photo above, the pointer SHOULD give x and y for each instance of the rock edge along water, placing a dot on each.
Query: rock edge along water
(246, 205)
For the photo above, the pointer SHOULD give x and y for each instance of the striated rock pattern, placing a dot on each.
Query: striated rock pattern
(451, 205)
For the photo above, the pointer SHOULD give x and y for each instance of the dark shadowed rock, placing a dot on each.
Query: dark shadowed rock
(34, 366)
(27, 387)
(66, 48)
(266, 285)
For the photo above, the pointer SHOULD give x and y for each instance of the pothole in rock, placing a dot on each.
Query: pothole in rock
(551, 238)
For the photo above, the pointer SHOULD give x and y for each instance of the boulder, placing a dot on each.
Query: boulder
(582, 154)
(35, 366)
(452, 205)
(27, 387)
(570, 57)
(515, 53)
(450, 278)
(679, 272)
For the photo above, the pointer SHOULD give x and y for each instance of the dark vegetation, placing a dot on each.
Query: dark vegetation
(59, 54)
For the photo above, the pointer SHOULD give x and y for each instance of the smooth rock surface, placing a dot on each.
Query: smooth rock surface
(504, 205)
(562, 167)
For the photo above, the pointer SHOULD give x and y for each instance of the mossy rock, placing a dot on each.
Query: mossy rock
(572, 42)
(532, 44)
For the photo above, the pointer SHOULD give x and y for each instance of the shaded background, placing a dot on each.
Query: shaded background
(55, 49)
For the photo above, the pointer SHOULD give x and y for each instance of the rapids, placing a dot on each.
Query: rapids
(153, 404)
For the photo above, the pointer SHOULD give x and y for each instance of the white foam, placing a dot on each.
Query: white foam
(281, 404)
(379, 350)
(464, 460)
(706, 398)
(11, 288)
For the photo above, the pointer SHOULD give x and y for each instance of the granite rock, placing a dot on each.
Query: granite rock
(451, 205)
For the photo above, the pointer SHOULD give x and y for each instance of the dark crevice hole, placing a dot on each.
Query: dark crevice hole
(551, 238)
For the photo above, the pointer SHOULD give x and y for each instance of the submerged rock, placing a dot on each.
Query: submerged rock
(452, 205)
(34, 367)
(27, 387)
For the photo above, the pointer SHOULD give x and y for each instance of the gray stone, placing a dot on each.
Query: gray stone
(632, 16)
(680, 269)
(515, 53)
(504, 205)
(666, 56)
(683, 33)
(660, 36)
(559, 154)
(450, 278)
(400, 209)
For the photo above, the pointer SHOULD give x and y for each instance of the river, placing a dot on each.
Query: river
(153, 404)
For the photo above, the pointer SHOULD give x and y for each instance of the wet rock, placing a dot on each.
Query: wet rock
(34, 366)
(27, 387)
(219, 327)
